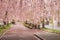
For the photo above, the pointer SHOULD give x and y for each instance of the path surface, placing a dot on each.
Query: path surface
(48, 35)
(19, 32)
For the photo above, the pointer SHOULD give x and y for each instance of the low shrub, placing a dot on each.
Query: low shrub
(31, 25)
(3, 27)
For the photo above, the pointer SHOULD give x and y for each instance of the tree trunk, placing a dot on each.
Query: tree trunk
(43, 26)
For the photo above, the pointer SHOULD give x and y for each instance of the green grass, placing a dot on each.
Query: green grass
(51, 30)
(4, 27)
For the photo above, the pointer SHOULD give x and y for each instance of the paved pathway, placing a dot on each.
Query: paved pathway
(48, 36)
(19, 32)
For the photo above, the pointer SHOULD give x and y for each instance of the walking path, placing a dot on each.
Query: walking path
(48, 36)
(19, 32)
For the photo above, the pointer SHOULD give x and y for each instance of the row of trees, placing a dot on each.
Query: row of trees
(30, 9)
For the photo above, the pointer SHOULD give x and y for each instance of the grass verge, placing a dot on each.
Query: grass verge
(51, 30)
(3, 28)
